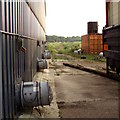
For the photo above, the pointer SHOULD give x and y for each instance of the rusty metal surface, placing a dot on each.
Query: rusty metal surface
(92, 43)
(92, 27)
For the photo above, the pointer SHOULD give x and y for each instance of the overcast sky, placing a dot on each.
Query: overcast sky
(70, 17)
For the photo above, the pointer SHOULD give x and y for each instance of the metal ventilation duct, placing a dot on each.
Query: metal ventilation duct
(32, 94)
(42, 64)
(46, 54)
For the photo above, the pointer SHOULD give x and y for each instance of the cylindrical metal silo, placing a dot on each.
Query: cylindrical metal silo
(92, 27)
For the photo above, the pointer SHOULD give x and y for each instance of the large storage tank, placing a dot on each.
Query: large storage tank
(92, 27)
(22, 38)
(111, 36)
(92, 43)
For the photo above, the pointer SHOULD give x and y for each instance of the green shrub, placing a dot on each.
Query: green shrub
(63, 48)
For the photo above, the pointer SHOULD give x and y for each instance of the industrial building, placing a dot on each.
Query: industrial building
(22, 49)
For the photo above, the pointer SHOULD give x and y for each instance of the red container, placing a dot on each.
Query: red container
(92, 43)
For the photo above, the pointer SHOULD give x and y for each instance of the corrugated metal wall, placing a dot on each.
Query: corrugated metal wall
(92, 43)
(18, 25)
(40, 14)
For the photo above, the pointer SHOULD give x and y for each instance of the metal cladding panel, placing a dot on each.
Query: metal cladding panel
(111, 39)
(39, 10)
(113, 11)
(20, 31)
(1, 80)
(119, 12)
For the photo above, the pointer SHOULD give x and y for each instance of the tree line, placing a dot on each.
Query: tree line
(55, 38)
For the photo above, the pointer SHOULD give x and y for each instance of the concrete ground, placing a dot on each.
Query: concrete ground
(85, 95)
(76, 94)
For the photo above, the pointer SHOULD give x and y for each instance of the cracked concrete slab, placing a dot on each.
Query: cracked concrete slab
(84, 95)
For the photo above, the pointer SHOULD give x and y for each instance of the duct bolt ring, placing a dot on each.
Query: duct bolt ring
(34, 94)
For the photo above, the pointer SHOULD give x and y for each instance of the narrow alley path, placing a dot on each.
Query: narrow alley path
(85, 95)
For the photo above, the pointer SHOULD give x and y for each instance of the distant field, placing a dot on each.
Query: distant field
(67, 48)
(63, 47)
